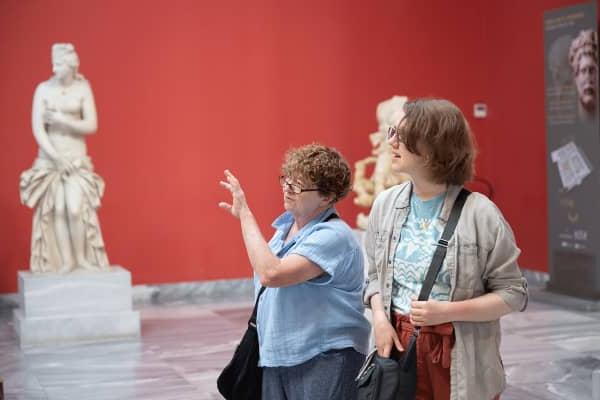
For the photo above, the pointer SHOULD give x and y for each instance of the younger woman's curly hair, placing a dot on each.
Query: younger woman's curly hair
(324, 167)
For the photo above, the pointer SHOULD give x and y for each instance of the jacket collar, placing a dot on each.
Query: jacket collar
(402, 200)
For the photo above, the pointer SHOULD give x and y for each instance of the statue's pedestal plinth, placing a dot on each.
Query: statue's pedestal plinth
(79, 306)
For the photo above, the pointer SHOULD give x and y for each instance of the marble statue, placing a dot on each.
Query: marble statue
(61, 186)
(367, 187)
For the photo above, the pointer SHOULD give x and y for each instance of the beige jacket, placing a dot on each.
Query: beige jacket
(481, 258)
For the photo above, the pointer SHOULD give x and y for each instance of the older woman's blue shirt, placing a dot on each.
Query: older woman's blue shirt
(296, 323)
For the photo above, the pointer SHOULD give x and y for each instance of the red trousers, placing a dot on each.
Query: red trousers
(434, 347)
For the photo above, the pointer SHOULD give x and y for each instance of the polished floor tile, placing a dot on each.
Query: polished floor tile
(549, 354)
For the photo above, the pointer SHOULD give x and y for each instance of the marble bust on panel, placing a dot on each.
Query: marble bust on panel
(583, 57)
(61, 186)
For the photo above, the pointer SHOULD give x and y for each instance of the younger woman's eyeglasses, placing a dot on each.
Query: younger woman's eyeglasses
(394, 133)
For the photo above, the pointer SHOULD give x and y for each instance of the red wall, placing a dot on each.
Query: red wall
(185, 89)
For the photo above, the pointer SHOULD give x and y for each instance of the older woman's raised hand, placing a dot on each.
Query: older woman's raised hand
(238, 203)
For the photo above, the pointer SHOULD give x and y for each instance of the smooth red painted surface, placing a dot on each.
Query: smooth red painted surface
(185, 89)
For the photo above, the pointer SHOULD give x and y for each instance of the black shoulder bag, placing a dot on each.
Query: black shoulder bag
(241, 379)
(387, 379)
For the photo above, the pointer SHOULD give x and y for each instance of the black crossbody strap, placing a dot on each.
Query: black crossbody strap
(252, 320)
(330, 217)
(434, 268)
(440, 252)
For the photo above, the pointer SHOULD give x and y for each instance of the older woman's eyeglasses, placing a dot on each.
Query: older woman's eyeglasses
(393, 133)
(286, 183)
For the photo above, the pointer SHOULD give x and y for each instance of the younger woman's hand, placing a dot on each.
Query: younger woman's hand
(385, 337)
(430, 312)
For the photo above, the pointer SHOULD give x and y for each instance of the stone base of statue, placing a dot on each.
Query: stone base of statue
(74, 307)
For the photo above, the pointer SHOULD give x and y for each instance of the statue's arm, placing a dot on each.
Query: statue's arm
(88, 124)
(37, 122)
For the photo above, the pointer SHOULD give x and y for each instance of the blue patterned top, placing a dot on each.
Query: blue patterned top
(419, 236)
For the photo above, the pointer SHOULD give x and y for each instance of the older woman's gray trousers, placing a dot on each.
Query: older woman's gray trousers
(328, 376)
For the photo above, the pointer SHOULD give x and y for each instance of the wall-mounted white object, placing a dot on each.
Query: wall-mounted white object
(480, 110)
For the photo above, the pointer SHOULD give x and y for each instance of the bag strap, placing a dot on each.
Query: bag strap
(442, 245)
(252, 321)
(330, 217)
(434, 268)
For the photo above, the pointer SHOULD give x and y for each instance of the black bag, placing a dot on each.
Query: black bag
(388, 379)
(241, 379)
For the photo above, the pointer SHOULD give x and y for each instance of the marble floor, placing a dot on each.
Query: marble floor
(549, 353)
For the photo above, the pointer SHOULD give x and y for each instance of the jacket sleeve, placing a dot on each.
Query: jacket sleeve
(502, 274)
(372, 282)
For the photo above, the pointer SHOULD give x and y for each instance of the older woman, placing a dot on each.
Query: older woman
(62, 185)
(312, 331)
(479, 282)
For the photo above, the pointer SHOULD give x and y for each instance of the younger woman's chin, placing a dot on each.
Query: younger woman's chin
(397, 169)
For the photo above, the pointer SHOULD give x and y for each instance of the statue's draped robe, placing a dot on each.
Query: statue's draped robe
(38, 187)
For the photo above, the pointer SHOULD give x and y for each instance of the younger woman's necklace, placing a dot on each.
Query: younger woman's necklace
(422, 222)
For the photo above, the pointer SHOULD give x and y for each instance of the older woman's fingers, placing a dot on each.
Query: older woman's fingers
(230, 177)
(226, 185)
(228, 174)
(233, 182)
(225, 206)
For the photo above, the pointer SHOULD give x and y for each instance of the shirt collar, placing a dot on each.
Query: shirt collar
(286, 219)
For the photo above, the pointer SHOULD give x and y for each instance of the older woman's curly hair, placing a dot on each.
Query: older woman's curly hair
(323, 166)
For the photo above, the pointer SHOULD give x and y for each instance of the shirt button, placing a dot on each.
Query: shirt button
(389, 262)
(394, 237)
(388, 285)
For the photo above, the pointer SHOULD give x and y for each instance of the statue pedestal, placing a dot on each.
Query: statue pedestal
(79, 306)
